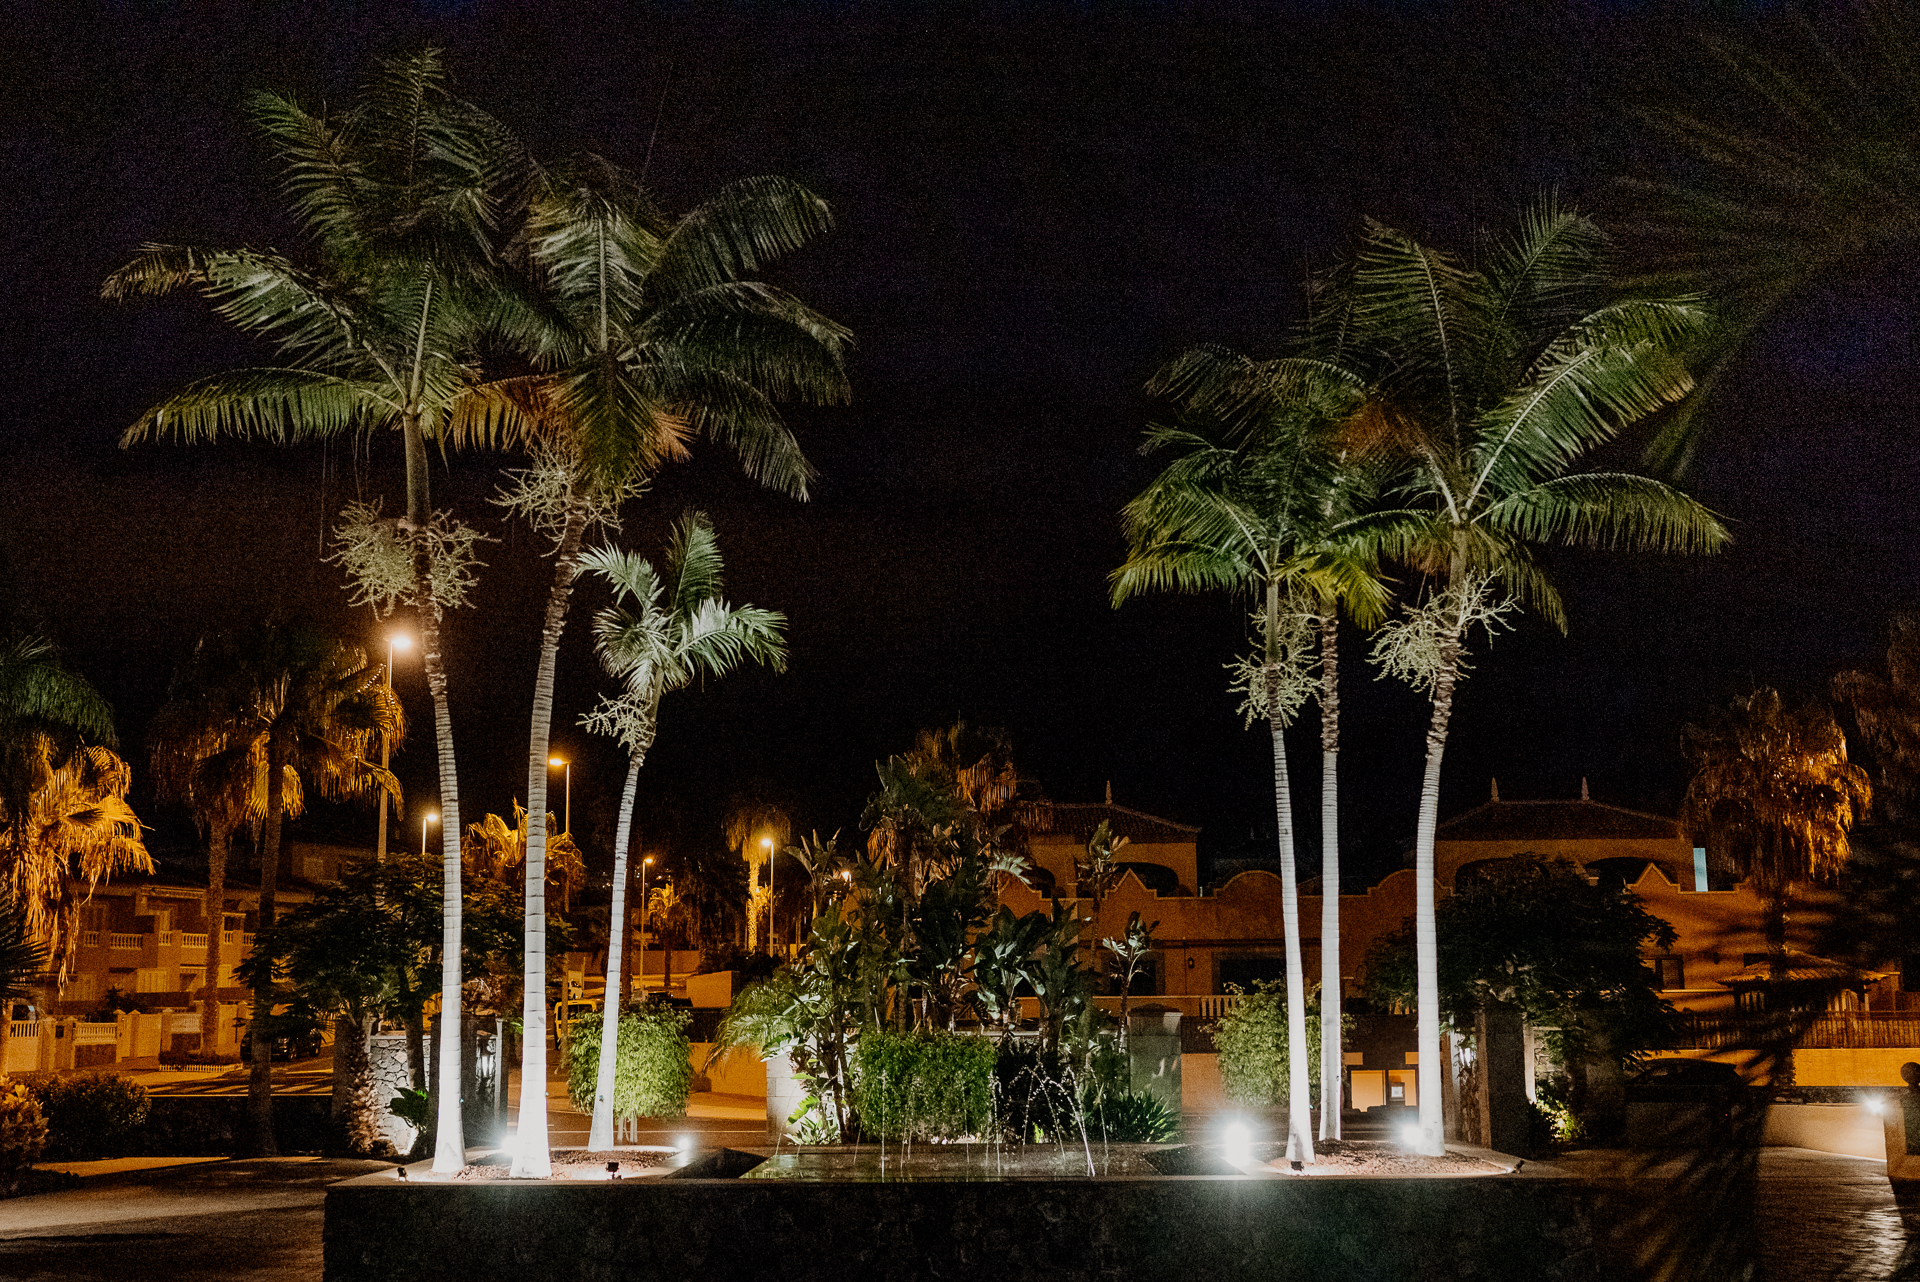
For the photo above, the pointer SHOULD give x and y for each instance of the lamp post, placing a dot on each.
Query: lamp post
(429, 818)
(766, 844)
(395, 641)
(642, 968)
(561, 761)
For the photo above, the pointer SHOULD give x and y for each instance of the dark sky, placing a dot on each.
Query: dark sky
(1037, 206)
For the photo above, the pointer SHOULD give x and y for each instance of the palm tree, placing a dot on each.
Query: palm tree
(403, 198)
(304, 711)
(1887, 710)
(64, 821)
(1251, 501)
(77, 830)
(667, 908)
(664, 628)
(661, 338)
(1495, 378)
(1772, 788)
(1793, 167)
(198, 764)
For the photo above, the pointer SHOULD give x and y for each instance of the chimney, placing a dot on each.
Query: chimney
(1496, 790)
(1583, 789)
(1109, 792)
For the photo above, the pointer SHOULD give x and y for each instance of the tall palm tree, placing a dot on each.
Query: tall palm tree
(404, 199)
(222, 783)
(661, 337)
(305, 711)
(1250, 502)
(664, 628)
(1772, 787)
(1495, 377)
(667, 908)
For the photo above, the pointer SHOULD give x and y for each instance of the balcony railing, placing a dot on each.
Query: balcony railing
(190, 940)
(1835, 1030)
(90, 939)
(118, 940)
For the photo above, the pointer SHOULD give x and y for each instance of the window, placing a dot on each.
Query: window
(1673, 971)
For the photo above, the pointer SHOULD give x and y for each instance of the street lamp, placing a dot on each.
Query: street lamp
(766, 844)
(643, 925)
(430, 818)
(395, 641)
(561, 761)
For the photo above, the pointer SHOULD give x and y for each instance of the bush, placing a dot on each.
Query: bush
(1252, 1041)
(651, 1070)
(923, 1085)
(23, 1134)
(1132, 1119)
(89, 1114)
(1554, 1106)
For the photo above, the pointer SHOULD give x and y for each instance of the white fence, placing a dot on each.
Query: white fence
(133, 1039)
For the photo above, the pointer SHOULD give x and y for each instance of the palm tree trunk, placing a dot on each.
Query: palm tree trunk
(600, 1134)
(417, 1049)
(260, 1073)
(1299, 1097)
(215, 914)
(449, 1150)
(1299, 1090)
(1426, 949)
(1332, 1062)
(531, 1158)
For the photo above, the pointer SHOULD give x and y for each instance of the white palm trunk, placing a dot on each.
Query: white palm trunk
(1332, 1062)
(1432, 1138)
(600, 1135)
(449, 1148)
(1299, 1093)
(532, 1158)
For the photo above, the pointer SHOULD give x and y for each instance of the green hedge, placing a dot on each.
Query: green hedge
(651, 1072)
(923, 1085)
(1252, 1040)
(91, 1115)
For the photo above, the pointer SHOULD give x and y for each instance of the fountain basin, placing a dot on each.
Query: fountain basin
(704, 1220)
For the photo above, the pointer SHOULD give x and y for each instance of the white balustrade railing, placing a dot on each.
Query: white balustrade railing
(90, 939)
(118, 940)
(190, 940)
(1214, 1005)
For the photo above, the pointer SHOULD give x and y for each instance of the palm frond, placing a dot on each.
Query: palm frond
(278, 405)
(1610, 510)
(748, 226)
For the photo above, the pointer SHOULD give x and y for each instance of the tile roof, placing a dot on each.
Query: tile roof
(1079, 819)
(1555, 820)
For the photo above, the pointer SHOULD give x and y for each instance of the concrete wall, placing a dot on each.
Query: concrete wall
(1850, 1129)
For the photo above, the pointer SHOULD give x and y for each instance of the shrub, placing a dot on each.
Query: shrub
(926, 1085)
(1132, 1119)
(23, 1134)
(1555, 1105)
(1252, 1041)
(87, 1115)
(651, 1070)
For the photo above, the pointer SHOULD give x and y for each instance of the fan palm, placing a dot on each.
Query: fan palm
(76, 831)
(1496, 377)
(292, 711)
(659, 338)
(1252, 501)
(1773, 788)
(404, 198)
(664, 628)
(22, 956)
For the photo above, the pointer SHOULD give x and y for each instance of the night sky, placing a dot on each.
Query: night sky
(1037, 206)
